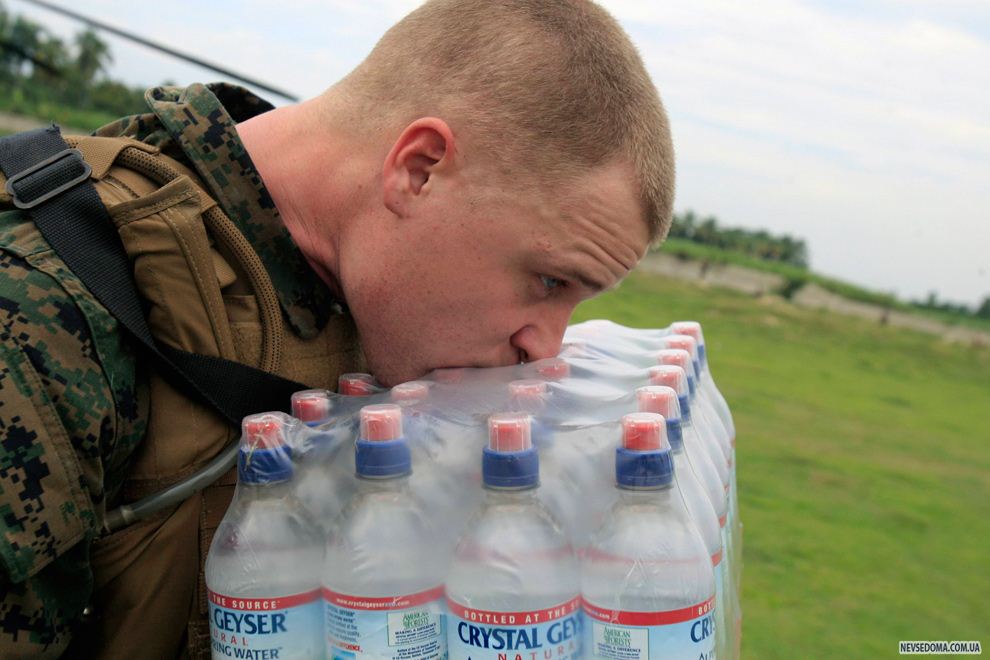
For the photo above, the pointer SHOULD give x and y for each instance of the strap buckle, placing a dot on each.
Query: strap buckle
(60, 169)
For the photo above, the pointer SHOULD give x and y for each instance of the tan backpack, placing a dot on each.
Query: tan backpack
(208, 293)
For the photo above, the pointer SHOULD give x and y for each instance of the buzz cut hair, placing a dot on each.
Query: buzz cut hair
(554, 87)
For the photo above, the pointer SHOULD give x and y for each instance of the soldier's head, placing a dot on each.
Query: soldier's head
(523, 163)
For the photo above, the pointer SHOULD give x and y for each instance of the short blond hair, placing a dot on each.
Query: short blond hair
(555, 85)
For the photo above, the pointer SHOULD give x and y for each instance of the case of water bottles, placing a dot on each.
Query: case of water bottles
(582, 506)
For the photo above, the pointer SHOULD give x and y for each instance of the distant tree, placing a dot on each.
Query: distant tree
(92, 56)
(707, 232)
(7, 55)
(932, 302)
(32, 61)
(983, 311)
(759, 244)
(116, 98)
(682, 226)
(795, 252)
(21, 39)
(52, 61)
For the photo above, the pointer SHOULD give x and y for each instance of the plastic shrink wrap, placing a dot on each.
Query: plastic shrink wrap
(583, 506)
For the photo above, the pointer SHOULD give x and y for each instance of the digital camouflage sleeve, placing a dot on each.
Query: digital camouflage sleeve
(71, 414)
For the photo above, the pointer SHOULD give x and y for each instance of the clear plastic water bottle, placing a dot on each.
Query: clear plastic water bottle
(262, 571)
(702, 414)
(693, 329)
(663, 401)
(707, 403)
(699, 445)
(570, 471)
(443, 451)
(708, 386)
(697, 423)
(557, 490)
(710, 477)
(647, 578)
(383, 574)
(701, 397)
(513, 587)
(324, 476)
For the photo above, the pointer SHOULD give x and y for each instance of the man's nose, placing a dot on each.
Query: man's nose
(541, 338)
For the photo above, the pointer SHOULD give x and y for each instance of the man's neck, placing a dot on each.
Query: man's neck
(300, 164)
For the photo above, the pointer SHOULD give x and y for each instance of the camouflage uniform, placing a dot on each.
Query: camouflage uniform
(73, 396)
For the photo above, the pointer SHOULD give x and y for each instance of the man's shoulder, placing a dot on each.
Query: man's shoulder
(36, 280)
(47, 310)
(144, 127)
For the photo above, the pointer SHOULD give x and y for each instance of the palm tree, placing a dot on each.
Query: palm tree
(92, 56)
(21, 39)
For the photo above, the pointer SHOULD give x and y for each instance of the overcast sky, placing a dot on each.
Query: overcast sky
(863, 128)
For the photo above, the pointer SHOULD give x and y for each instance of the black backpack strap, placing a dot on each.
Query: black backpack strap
(51, 181)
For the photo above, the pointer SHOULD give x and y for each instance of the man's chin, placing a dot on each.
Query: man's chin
(391, 372)
(387, 379)
(393, 378)
(390, 375)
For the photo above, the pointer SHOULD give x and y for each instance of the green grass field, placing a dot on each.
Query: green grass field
(863, 466)
(65, 116)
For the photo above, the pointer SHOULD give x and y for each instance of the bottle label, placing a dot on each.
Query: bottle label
(721, 609)
(401, 628)
(266, 628)
(684, 633)
(552, 633)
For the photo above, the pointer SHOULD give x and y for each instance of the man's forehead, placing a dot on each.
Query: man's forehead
(592, 244)
(605, 201)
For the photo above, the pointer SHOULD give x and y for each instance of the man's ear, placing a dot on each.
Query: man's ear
(424, 149)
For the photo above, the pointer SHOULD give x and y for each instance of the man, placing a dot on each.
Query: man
(485, 169)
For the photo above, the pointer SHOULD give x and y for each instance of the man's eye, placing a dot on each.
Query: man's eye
(551, 283)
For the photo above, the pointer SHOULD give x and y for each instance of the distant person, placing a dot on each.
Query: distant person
(448, 203)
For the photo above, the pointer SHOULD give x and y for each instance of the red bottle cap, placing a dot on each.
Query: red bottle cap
(509, 432)
(381, 422)
(643, 432)
(311, 405)
(263, 431)
(553, 368)
(683, 342)
(676, 357)
(414, 390)
(670, 375)
(690, 328)
(528, 389)
(356, 384)
(658, 399)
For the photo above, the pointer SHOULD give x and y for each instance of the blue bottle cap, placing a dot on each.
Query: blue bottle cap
(264, 457)
(510, 461)
(644, 460)
(382, 452)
